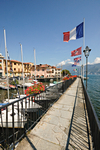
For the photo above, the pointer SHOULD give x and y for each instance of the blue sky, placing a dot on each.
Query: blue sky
(40, 24)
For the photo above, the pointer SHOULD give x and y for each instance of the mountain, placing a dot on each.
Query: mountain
(92, 68)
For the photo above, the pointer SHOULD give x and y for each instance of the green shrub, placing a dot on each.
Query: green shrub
(13, 82)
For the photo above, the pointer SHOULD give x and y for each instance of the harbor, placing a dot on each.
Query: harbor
(13, 92)
(30, 111)
(54, 119)
(49, 75)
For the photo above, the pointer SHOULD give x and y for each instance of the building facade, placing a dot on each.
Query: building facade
(1, 65)
(15, 68)
(45, 71)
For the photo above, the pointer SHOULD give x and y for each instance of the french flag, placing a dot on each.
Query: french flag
(74, 34)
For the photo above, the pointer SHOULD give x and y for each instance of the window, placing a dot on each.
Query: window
(14, 68)
(14, 63)
(38, 70)
(42, 69)
(52, 71)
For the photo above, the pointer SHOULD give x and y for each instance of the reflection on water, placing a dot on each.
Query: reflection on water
(12, 93)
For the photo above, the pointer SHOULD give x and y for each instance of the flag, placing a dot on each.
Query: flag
(76, 63)
(74, 34)
(73, 65)
(75, 70)
(78, 59)
(76, 52)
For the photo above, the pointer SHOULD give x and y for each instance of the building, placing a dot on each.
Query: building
(27, 69)
(45, 71)
(14, 67)
(1, 65)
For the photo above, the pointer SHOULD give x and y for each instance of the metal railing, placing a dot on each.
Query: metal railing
(20, 115)
(93, 119)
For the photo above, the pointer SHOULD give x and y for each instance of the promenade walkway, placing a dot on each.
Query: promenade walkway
(60, 125)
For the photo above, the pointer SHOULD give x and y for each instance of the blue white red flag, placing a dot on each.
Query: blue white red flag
(74, 34)
(73, 65)
(76, 63)
(77, 60)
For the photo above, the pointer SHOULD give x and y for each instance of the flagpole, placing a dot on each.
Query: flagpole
(6, 63)
(83, 44)
(22, 68)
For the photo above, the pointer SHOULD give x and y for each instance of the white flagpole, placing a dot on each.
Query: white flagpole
(83, 44)
(6, 63)
(81, 66)
(22, 67)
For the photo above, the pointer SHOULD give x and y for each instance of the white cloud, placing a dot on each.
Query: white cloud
(68, 59)
(97, 60)
(70, 62)
(89, 63)
(61, 63)
(64, 62)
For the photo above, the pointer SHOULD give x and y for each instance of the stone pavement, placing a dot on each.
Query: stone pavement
(52, 131)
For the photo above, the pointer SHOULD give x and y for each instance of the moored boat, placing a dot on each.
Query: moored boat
(12, 86)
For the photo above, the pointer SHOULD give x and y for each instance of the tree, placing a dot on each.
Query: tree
(65, 73)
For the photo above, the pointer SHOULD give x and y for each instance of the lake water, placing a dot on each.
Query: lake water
(93, 88)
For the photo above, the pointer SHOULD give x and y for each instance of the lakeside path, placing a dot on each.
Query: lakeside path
(52, 131)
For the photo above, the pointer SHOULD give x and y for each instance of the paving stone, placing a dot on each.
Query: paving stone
(45, 145)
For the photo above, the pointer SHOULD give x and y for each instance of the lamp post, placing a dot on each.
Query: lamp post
(86, 53)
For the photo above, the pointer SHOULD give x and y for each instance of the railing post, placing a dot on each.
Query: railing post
(7, 125)
(25, 127)
(18, 114)
(13, 125)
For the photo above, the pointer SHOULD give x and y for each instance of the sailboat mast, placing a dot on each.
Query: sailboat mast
(35, 63)
(22, 67)
(6, 62)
